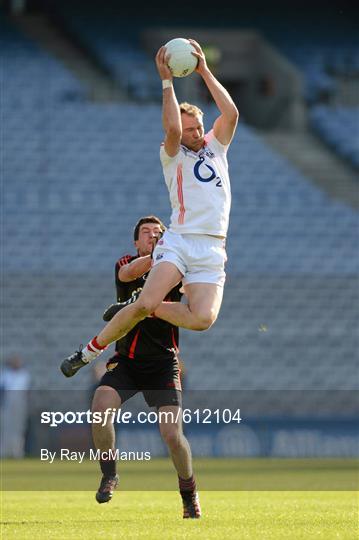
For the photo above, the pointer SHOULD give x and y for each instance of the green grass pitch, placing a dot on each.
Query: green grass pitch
(158, 515)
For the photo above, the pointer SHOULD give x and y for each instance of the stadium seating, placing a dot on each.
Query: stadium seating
(77, 177)
(114, 39)
(321, 61)
(30, 75)
(83, 149)
(323, 46)
(339, 128)
(114, 42)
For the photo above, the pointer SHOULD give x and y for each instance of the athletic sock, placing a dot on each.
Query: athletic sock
(187, 486)
(92, 350)
(108, 467)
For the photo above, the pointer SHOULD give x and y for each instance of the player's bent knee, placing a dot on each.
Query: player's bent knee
(145, 307)
(204, 322)
(202, 325)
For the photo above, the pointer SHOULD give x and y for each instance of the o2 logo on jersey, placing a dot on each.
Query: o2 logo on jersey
(197, 172)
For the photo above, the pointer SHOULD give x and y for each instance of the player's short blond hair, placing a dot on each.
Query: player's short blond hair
(192, 110)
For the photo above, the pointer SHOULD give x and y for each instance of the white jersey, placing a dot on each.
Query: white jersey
(199, 188)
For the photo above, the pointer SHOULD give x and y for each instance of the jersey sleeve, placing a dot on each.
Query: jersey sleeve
(213, 142)
(167, 160)
(169, 165)
(126, 259)
(122, 286)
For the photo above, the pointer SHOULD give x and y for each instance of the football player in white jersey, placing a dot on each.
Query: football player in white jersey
(192, 250)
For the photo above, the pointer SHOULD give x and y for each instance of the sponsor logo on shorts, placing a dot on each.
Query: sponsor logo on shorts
(111, 365)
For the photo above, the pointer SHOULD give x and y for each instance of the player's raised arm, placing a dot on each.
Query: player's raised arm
(171, 116)
(129, 271)
(225, 125)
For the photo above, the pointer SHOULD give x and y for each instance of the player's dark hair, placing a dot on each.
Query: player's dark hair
(147, 219)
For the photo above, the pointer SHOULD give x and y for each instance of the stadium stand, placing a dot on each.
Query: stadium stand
(322, 56)
(79, 174)
(321, 42)
(339, 128)
(78, 182)
(115, 43)
(270, 197)
(30, 75)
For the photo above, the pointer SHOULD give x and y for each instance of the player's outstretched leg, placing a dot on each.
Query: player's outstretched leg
(160, 280)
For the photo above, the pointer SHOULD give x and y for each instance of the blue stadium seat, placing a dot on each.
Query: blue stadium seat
(339, 128)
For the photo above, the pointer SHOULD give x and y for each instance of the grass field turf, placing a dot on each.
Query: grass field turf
(221, 474)
(157, 515)
(147, 514)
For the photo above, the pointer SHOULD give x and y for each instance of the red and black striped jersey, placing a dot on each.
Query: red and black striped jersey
(152, 339)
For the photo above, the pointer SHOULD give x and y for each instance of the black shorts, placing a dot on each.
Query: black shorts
(160, 387)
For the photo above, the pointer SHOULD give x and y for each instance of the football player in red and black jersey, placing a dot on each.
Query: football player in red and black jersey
(146, 360)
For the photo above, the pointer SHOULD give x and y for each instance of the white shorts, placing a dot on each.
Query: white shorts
(199, 257)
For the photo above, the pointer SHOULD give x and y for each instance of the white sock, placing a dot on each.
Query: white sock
(92, 350)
